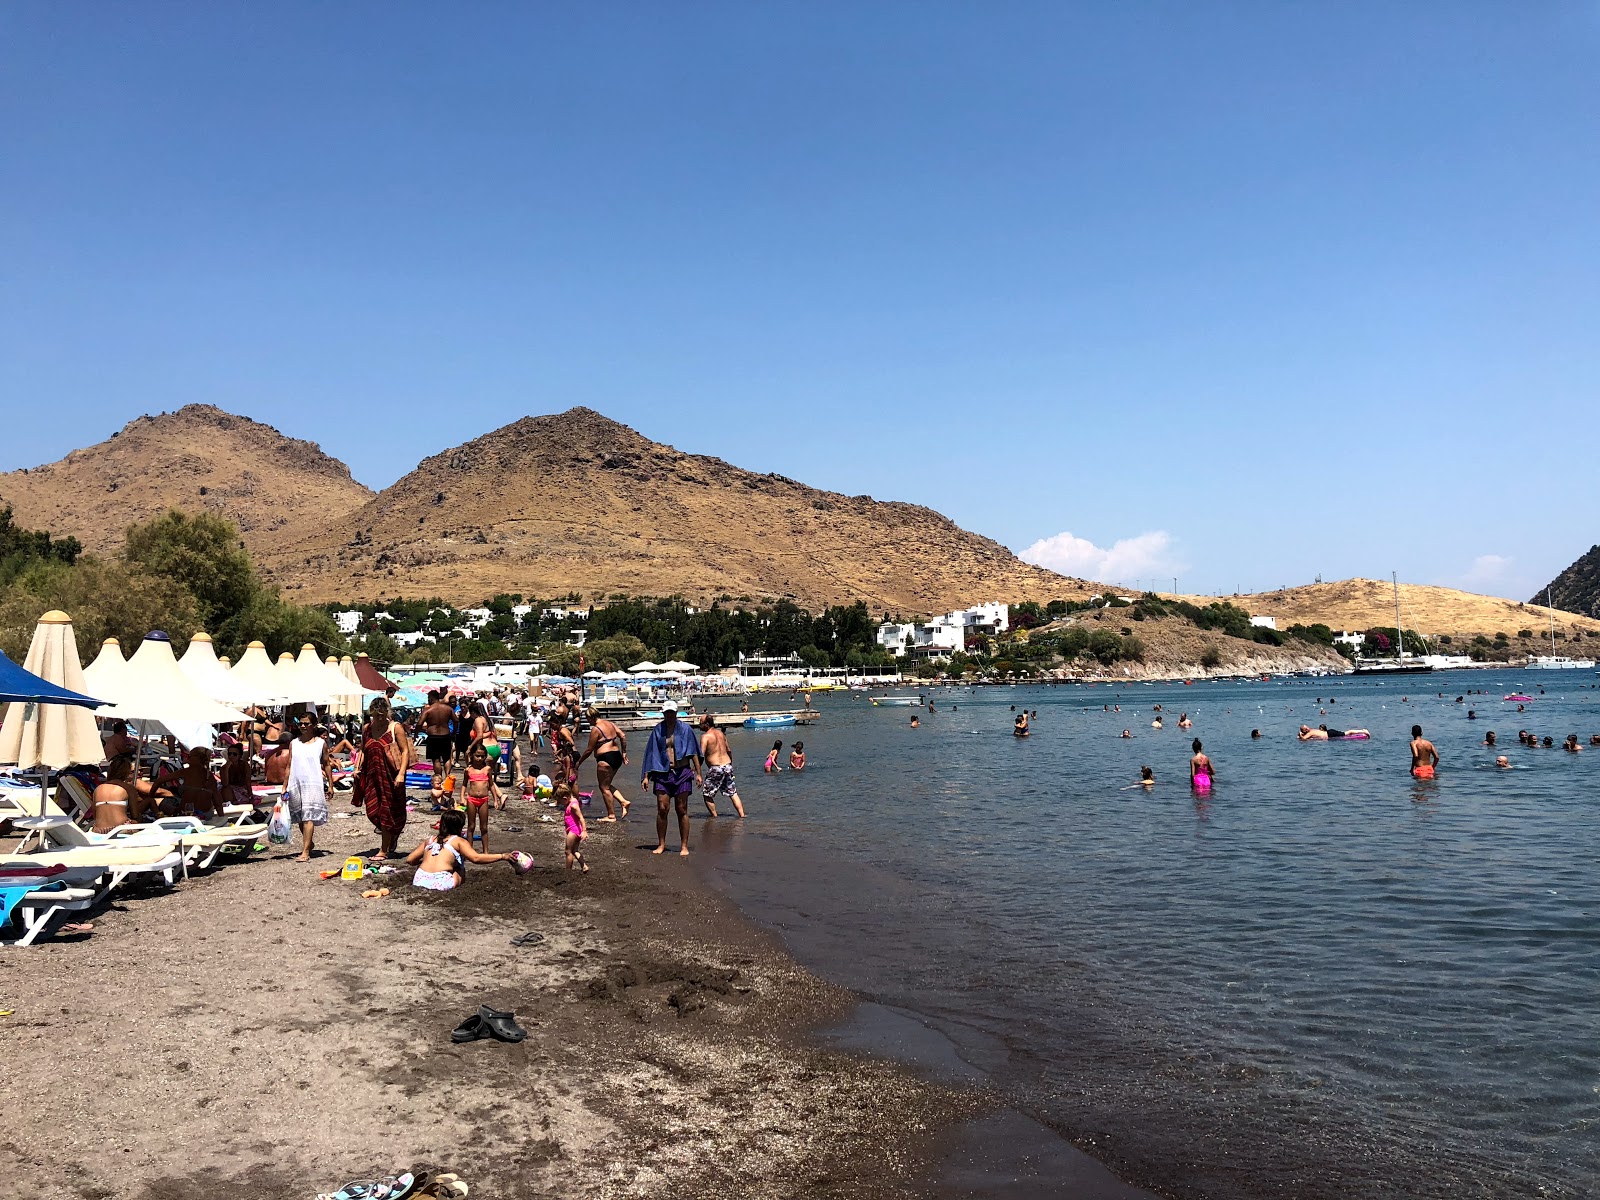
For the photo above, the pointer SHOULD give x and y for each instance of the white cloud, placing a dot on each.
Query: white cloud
(1148, 557)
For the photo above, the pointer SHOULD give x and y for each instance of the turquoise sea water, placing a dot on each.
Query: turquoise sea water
(1326, 979)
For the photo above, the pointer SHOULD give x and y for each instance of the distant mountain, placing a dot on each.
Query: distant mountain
(196, 458)
(1366, 603)
(579, 503)
(1577, 589)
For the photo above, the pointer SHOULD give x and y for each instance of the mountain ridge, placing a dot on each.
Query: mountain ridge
(1577, 587)
(198, 457)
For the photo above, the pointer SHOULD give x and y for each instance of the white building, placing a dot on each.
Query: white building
(348, 621)
(1264, 622)
(411, 639)
(1354, 640)
(942, 636)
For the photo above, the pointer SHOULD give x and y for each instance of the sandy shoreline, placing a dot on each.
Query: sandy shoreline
(259, 1031)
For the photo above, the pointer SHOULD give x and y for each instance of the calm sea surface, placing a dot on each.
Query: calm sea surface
(1327, 979)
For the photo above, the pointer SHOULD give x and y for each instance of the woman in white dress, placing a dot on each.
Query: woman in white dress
(310, 781)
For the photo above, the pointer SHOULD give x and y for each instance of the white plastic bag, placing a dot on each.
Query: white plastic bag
(279, 825)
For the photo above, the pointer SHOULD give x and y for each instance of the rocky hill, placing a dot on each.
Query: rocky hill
(196, 458)
(1577, 589)
(579, 503)
(1365, 603)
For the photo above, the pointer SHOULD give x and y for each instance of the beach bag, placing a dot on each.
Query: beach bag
(279, 825)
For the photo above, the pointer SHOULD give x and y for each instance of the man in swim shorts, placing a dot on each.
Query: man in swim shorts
(436, 718)
(671, 769)
(719, 766)
(1424, 758)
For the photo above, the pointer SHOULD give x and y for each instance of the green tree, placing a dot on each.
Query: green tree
(199, 552)
(615, 653)
(560, 658)
(104, 599)
(1210, 658)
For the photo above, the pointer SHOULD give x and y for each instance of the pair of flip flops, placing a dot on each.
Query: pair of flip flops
(449, 1186)
(523, 940)
(489, 1023)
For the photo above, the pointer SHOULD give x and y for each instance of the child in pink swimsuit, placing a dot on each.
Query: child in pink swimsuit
(577, 827)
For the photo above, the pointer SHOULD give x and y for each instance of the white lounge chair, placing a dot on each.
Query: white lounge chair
(36, 896)
(105, 867)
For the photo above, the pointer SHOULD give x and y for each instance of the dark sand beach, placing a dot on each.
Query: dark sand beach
(259, 1032)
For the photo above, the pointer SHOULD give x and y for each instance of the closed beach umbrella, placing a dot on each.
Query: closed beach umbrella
(39, 732)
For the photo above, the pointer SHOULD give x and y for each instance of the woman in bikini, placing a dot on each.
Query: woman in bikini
(116, 800)
(439, 860)
(480, 790)
(609, 745)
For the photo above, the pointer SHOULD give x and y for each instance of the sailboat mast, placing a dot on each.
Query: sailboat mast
(1550, 609)
(1399, 630)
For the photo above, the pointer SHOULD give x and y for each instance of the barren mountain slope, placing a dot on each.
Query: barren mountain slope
(1364, 603)
(1578, 587)
(196, 458)
(576, 502)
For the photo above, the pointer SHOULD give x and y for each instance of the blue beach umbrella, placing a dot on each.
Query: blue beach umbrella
(19, 686)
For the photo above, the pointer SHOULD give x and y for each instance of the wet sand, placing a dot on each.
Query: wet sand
(259, 1031)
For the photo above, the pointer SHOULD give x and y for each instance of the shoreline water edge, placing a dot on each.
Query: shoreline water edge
(261, 1030)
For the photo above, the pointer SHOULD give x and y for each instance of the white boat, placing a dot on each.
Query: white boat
(1554, 661)
(901, 701)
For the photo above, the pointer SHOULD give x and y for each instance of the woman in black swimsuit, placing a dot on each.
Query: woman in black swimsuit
(609, 745)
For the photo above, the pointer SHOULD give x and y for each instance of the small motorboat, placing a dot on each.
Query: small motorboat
(896, 701)
(775, 721)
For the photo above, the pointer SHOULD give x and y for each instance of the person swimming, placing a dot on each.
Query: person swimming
(1502, 761)
(1147, 777)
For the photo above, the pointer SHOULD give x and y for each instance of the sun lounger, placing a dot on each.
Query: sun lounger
(36, 897)
(198, 843)
(105, 867)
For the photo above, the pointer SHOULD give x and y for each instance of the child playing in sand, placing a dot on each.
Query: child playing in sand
(771, 764)
(577, 827)
(797, 757)
(438, 860)
(480, 790)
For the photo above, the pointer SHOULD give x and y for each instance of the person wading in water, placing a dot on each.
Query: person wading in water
(719, 780)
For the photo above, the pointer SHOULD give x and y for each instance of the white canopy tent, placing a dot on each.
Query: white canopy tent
(315, 670)
(256, 678)
(154, 689)
(299, 685)
(678, 667)
(103, 677)
(200, 663)
(644, 668)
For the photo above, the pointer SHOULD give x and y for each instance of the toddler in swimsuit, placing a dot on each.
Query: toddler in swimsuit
(577, 827)
(797, 757)
(481, 789)
(771, 764)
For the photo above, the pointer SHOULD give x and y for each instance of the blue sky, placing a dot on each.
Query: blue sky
(1244, 293)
